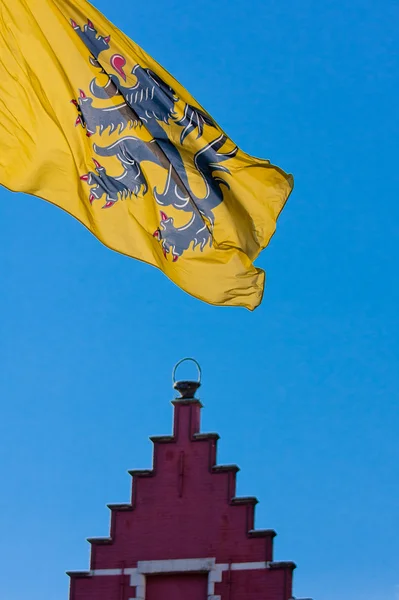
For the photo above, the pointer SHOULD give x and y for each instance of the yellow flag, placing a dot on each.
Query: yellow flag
(91, 123)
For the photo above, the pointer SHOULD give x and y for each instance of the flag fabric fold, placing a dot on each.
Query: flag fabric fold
(92, 124)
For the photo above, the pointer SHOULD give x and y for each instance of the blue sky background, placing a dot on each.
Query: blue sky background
(304, 391)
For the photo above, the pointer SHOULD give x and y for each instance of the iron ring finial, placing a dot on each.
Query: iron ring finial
(185, 360)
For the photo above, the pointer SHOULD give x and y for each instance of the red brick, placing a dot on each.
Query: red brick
(185, 508)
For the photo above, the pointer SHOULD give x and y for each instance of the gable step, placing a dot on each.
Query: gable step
(282, 565)
(225, 469)
(206, 436)
(100, 541)
(80, 574)
(120, 507)
(141, 472)
(260, 533)
(237, 501)
(162, 439)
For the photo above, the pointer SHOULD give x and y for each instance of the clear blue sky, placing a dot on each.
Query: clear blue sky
(304, 391)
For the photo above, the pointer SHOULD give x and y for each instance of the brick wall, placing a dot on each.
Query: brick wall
(183, 511)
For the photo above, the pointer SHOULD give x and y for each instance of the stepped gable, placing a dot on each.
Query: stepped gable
(185, 533)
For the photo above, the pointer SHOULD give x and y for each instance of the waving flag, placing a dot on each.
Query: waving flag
(91, 123)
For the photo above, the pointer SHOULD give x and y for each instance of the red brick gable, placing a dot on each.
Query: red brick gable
(184, 526)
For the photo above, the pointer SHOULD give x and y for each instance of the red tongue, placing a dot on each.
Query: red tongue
(118, 62)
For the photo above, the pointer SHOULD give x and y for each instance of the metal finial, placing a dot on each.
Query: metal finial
(186, 389)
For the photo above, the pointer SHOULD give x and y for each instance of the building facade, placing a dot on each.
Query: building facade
(185, 535)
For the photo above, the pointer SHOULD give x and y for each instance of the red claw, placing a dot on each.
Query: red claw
(82, 94)
(175, 257)
(75, 102)
(97, 164)
(78, 121)
(164, 217)
(91, 198)
(90, 24)
(85, 177)
(74, 24)
(107, 39)
(89, 133)
(164, 252)
(157, 234)
(108, 204)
